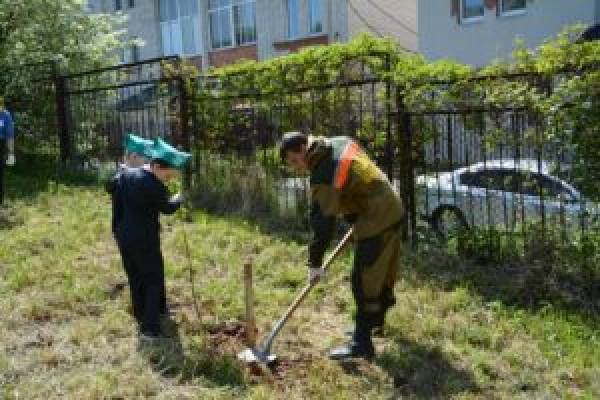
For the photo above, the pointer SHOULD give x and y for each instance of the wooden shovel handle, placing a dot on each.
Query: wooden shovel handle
(305, 291)
(338, 249)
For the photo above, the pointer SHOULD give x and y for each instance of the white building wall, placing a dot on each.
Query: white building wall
(143, 23)
(204, 33)
(478, 43)
(271, 26)
(426, 26)
(272, 23)
(338, 20)
(391, 18)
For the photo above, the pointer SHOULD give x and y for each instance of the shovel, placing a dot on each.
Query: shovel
(262, 354)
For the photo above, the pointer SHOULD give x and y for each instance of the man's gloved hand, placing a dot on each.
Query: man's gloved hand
(316, 274)
(178, 198)
(10, 160)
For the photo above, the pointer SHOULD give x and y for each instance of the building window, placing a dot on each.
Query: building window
(471, 10)
(220, 23)
(244, 22)
(293, 14)
(118, 5)
(189, 16)
(513, 6)
(315, 16)
(129, 54)
(232, 22)
(131, 3)
(180, 27)
(135, 53)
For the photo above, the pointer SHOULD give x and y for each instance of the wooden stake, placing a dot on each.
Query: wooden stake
(249, 294)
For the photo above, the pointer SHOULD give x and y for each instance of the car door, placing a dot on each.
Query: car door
(553, 198)
(473, 196)
(561, 203)
(503, 205)
(544, 197)
(509, 203)
(485, 197)
(501, 198)
(530, 192)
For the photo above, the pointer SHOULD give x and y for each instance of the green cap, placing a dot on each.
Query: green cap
(138, 145)
(163, 151)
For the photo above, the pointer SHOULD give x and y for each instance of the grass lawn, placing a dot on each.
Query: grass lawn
(458, 331)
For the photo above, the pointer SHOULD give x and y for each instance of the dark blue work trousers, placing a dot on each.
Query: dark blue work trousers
(145, 272)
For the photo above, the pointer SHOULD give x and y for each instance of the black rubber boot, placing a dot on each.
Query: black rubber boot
(388, 300)
(166, 312)
(353, 350)
(378, 326)
(361, 345)
(377, 329)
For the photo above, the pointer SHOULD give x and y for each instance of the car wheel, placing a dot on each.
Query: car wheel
(448, 220)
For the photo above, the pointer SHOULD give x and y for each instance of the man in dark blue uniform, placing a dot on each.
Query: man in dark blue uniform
(139, 196)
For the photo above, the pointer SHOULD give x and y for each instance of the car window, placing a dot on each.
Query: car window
(509, 181)
(553, 189)
(470, 179)
(506, 180)
(534, 184)
(492, 179)
(529, 183)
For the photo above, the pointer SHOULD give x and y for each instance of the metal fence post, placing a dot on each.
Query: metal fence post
(407, 182)
(62, 97)
(389, 148)
(185, 128)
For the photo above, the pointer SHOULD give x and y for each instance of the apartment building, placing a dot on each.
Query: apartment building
(473, 32)
(218, 32)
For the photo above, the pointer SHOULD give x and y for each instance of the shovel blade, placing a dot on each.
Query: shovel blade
(253, 355)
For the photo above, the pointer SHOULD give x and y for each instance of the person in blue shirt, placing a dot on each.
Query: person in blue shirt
(7, 135)
(139, 196)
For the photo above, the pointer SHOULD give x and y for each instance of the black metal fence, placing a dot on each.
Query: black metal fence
(496, 173)
(461, 168)
(30, 95)
(236, 163)
(80, 119)
(100, 107)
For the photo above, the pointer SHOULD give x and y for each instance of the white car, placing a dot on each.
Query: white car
(501, 193)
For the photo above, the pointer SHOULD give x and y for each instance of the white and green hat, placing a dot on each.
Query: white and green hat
(168, 154)
(138, 145)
